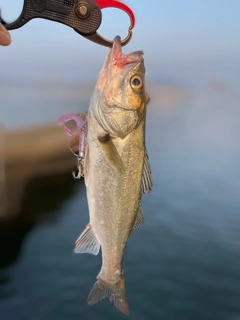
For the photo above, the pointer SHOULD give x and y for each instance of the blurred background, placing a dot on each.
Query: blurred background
(184, 262)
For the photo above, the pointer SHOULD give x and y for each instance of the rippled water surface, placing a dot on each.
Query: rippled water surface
(183, 263)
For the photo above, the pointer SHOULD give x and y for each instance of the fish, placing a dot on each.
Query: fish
(116, 169)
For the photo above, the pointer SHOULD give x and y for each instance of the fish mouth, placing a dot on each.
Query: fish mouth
(117, 63)
(119, 59)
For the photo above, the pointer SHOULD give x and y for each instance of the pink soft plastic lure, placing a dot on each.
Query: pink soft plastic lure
(82, 137)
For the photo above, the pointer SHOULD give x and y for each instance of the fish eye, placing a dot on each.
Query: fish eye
(136, 82)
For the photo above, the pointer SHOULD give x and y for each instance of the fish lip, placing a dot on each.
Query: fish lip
(120, 59)
(117, 43)
(117, 49)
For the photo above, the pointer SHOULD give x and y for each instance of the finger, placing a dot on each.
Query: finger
(5, 37)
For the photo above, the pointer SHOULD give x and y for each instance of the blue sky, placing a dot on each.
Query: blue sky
(171, 32)
(186, 42)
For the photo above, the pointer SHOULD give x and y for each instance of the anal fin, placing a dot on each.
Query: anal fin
(87, 242)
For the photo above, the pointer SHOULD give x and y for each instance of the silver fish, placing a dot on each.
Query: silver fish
(116, 169)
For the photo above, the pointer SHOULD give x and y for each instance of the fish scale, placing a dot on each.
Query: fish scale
(116, 169)
(109, 139)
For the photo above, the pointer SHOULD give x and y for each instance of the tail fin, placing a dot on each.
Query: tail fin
(115, 292)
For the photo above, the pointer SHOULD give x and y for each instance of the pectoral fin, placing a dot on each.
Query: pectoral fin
(87, 242)
(110, 152)
(147, 175)
(139, 219)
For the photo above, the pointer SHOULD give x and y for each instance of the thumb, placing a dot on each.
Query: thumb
(5, 37)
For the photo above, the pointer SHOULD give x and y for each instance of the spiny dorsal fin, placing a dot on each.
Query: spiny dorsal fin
(110, 152)
(147, 175)
(139, 219)
(87, 242)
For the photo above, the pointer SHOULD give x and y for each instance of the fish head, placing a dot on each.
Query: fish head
(121, 91)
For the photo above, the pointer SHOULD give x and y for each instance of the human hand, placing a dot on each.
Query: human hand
(5, 37)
